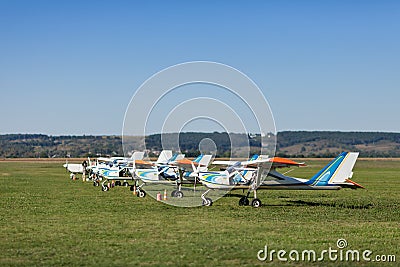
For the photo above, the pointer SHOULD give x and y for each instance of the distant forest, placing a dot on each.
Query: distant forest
(292, 144)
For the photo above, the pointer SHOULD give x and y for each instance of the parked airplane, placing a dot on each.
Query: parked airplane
(120, 172)
(124, 174)
(261, 174)
(176, 172)
(73, 168)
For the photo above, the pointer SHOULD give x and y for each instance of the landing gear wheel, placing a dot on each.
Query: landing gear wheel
(207, 202)
(173, 193)
(104, 188)
(179, 194)
(256, 203)
(244, 201)
(132, 188)
(96, 183)
(125, 184)
(141, 193)
(118, 183)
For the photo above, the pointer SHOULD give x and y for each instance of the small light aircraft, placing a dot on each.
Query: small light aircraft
(260, 173)
(177, 171)
(101, 164)
(95, 168)
(120, 171)
(125, 172)
(73, 167)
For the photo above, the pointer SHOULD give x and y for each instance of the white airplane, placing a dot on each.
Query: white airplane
(73, 167)
(261, 174)
(125, 173)
(102, 164)
(95, 167)
(175, 172)
(120, 172)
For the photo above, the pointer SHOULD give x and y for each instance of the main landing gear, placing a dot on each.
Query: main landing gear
(206, 201)
(177, 193)
(255, 203)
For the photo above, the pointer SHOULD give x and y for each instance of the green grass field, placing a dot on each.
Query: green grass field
(48, 219)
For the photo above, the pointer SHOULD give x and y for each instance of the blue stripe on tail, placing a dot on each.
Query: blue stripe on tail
(198, 158)
(323, 177)
(254, 157)
(173, 157)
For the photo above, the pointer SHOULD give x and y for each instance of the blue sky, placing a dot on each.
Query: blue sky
(71, 67)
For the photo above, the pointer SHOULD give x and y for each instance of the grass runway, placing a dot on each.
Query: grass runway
(48, 219)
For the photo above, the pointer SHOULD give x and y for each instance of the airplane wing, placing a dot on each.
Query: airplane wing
(185, 163)
(224, 162)
(248, 163)
(104, 159)
(275, 162)
(143, 163)
(278, 162)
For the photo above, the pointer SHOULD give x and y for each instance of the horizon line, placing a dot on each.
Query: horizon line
(119, 135)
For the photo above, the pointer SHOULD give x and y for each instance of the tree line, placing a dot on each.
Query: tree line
(289, 144)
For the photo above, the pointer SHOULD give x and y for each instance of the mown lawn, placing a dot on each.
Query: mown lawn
(48, 219)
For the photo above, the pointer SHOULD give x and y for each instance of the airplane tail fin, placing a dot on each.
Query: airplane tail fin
(197, 160)
(254, 157)
(164, 156)
(137, 155)
(248, 174)
(176, 157)
(205, 160)
(338, 171)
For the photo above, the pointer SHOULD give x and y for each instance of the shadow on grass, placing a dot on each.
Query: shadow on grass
(234, 195)
(333, 204)
(292, 203)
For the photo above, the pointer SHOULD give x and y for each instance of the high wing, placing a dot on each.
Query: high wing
(275, 162)
(141, 162)
(278, 162)
(202, 161)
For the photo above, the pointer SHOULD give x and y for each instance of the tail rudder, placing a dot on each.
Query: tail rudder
(197, 160)
(205, 160)
(164, 156)
(254, 157)
(137, 155)
(173, 158)
(176, 157)
(338, 171)
(345, 172)
(248, 174)
(180, 156)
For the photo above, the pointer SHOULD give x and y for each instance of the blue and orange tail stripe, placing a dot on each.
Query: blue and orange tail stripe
(325, 175)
